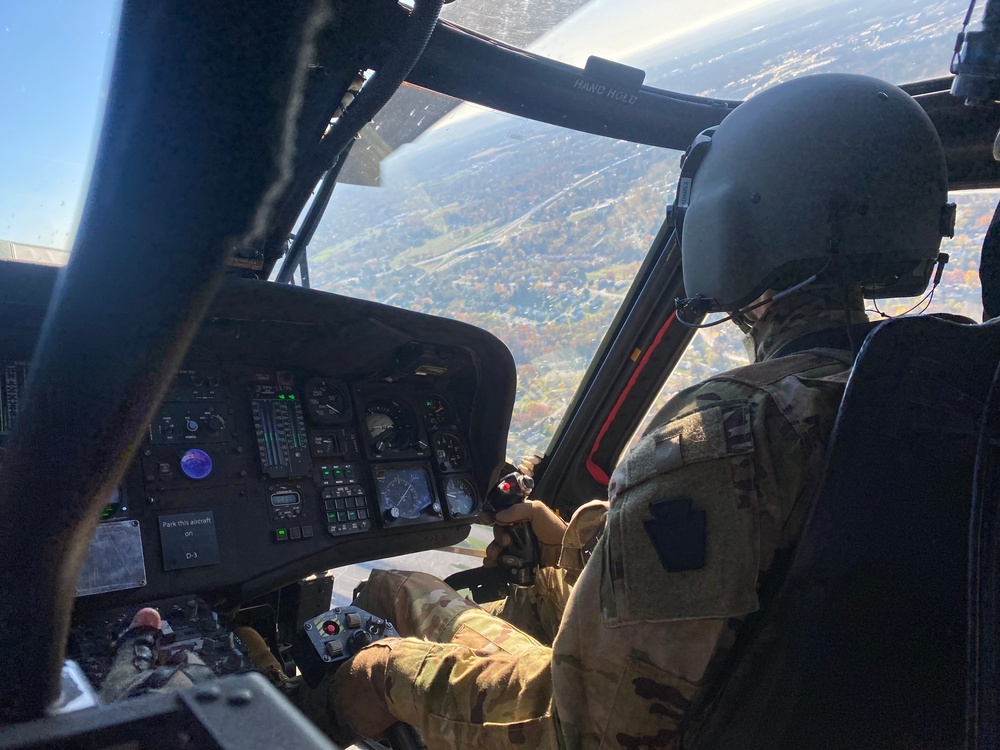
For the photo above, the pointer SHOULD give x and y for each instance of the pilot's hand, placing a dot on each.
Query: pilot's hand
(357, 693)
(546, 525)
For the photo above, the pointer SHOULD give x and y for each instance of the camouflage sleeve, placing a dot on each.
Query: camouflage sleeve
(467, 678)
(684, 519)
(697, 509)
(483, 692)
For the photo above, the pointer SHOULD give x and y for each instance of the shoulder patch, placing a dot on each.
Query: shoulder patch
(712, 432)
(678, 534)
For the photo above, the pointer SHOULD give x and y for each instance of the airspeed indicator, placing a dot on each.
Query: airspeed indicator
(326, 401)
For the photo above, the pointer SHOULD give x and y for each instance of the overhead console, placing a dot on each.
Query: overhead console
(304, 431)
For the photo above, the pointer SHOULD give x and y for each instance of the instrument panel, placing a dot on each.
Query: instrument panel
(304, 431)
(335, 458)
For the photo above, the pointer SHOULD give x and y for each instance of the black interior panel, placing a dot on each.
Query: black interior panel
(304, 431)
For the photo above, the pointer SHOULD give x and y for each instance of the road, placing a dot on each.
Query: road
(511, 228)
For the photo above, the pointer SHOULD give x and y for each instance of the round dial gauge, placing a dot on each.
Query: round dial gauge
(405, 491)
(449, 452)
(326, 401)
(390, 426)
(436, 412)
(460, 495)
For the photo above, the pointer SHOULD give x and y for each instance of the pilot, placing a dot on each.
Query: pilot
(808, 197)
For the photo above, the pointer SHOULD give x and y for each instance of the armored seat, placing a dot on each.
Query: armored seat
(863, 635)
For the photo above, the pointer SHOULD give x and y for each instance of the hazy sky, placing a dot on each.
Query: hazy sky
(54, 57)
(617, 28)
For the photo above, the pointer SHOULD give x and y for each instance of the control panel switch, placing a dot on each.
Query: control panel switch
(360, 639)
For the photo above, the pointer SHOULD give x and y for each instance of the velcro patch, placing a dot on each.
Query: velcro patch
(678, 534)
(720, 430)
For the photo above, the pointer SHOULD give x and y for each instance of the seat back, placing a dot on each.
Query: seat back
(863, 643)
(983, 708)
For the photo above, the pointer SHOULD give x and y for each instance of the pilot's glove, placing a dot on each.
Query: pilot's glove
(134, 670)
(547, 526)
(358, 693)
(261, 656)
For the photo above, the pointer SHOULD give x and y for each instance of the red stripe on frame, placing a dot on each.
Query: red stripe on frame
(596, 472)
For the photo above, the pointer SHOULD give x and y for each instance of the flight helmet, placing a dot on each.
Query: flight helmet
(835, 176)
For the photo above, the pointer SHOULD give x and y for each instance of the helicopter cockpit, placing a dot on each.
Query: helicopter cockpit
(337, 263)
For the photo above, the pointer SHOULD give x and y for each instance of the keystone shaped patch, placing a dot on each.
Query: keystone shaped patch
(678, 534)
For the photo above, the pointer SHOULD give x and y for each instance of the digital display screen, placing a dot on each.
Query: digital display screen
(284, 498)
(406, 490)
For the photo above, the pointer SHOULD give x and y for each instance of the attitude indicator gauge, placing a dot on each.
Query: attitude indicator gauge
(460, 496)
(326, 401)
(390, 427)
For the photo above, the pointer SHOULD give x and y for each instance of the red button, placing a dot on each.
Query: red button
(330, 628)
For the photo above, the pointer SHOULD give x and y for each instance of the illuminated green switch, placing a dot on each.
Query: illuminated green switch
(281, 535)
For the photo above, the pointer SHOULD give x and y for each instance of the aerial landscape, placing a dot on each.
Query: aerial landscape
(535, 232)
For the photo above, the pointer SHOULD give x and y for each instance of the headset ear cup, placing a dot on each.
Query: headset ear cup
(690, 162)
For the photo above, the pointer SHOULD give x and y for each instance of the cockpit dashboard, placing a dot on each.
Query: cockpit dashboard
(304, 431)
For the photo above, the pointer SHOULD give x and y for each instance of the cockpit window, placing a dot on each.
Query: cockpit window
(535, 232)
(55, 58)
(530, 231)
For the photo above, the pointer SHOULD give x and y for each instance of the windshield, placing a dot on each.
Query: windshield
(529, 230)
(535, 232)
(55, 59)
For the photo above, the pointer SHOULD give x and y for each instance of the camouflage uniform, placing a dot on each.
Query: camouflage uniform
(721, 480)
